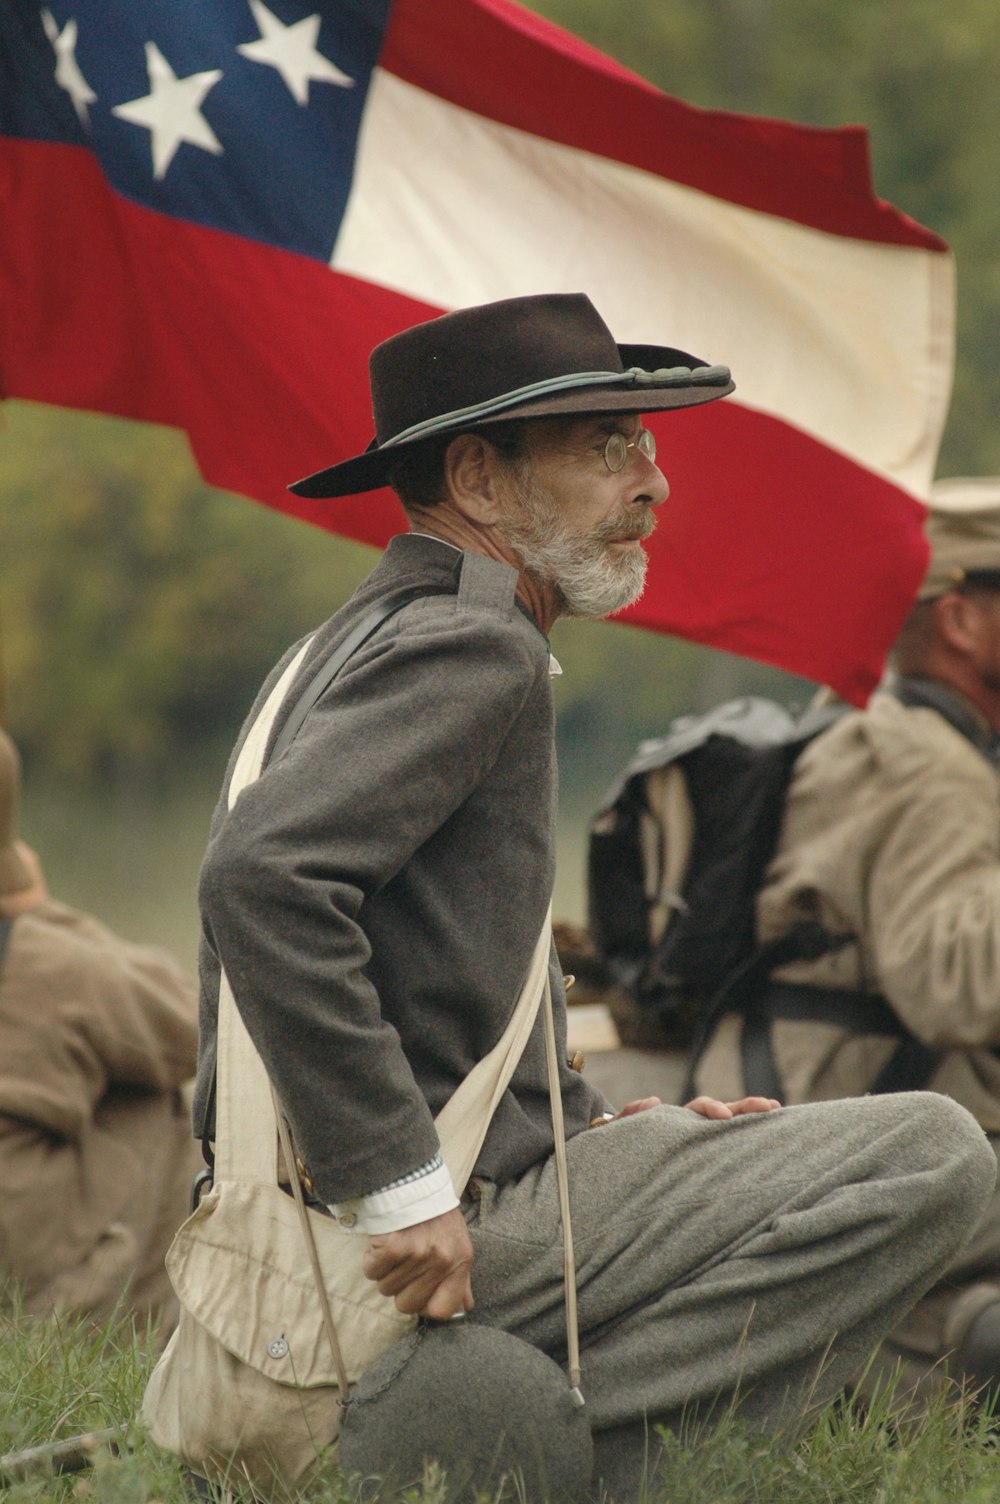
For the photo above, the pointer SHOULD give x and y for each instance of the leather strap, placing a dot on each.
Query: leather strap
(860, 1012)
(312, 1252)
(562, 1181)
(909, 1068)
(805, 941)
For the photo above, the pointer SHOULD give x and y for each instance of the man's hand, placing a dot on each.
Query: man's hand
(426, 1268)
(628, 1111)
(631, 1108)
(709, 1107)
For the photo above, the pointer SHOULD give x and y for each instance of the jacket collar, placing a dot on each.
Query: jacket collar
(960, 713)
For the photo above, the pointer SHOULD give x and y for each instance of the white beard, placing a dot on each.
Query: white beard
(592, 579)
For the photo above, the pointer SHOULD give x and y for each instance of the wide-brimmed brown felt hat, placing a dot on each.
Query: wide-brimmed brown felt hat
(520, 358)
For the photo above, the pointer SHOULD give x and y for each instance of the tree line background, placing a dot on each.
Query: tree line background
(140, 608)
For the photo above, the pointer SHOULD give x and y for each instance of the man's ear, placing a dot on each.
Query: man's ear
(958, 619)
(471, 470)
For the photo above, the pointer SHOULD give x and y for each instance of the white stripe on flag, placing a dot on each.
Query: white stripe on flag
(849, 340)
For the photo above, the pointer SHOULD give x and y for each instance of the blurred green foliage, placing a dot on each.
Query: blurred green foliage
(141, 607)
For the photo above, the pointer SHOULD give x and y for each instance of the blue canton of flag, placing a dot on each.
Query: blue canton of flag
(236, 115)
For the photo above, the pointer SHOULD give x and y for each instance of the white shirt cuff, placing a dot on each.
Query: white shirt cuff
(427, 1193)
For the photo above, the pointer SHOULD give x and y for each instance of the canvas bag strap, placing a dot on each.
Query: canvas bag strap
(245, 1144)
(244, 1120)
(252, 1138)
(245, 1140)
(464, 1119)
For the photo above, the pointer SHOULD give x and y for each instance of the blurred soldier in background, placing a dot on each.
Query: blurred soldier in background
(97, 1039)
(891, 843)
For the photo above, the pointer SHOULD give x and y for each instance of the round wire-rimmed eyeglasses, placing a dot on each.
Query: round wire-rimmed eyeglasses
(617, 447)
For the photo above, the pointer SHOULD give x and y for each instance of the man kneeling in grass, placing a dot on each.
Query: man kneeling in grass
(376, 895)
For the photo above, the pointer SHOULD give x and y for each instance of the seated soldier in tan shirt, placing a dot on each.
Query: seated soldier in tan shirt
(891, 843)
(97, 1040)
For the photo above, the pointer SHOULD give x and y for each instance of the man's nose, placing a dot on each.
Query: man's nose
(651, 486)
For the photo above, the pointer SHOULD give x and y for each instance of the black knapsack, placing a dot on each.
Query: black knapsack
(678, 851)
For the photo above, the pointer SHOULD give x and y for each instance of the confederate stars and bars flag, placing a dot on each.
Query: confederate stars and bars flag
(210, 210)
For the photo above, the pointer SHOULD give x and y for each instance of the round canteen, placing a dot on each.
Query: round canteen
(479, 1402)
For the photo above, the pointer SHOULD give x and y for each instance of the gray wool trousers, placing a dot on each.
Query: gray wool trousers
(759, 1259)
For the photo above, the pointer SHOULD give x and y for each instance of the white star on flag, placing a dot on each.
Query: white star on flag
(292, 50)
(171, 111)
(67, 74)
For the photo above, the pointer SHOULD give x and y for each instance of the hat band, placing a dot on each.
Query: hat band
(634, 376)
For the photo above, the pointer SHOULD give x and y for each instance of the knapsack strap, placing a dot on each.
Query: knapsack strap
(806, 941)
(909, 1068)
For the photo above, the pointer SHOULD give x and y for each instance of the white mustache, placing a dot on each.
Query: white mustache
(613, 532)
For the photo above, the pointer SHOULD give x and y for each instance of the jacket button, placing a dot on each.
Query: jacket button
(348, 1219)
(578, 1061)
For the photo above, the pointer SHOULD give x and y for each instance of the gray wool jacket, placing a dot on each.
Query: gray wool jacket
(375, 896)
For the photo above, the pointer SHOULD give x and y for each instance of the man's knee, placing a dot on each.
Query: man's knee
(944, 1129)
(947, 1154)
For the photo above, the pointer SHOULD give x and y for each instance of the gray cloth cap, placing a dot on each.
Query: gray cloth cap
(963, 528)
(477, 1400)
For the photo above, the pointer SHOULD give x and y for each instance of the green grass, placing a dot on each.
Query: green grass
(60, 1378)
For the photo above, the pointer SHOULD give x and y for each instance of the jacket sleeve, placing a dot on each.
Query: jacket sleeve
(934, 902)
(388, 754)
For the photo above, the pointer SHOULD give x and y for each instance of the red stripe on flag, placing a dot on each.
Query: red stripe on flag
(751, 549)
(262, 357)
(543, 80)
(260, 354)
